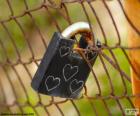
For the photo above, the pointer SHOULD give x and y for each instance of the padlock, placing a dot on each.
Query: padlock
(63, 71)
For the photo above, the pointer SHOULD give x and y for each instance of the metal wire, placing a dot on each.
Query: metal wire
(9, 66)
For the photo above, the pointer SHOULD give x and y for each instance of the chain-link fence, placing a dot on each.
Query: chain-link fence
(26, 27)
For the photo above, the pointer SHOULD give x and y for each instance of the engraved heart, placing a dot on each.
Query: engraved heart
(52, 82)
(76, 85)
(69, 71)
(64, 51)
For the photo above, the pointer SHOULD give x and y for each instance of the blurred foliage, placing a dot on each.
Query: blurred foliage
(45, 23)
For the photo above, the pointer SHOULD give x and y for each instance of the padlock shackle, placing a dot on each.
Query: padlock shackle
(79, 27)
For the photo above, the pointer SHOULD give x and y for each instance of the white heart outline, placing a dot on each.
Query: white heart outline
(71, 67)
(78, 88)
(54, 78)
(62, 55)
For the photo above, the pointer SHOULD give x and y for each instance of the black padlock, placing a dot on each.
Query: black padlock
(62, 71)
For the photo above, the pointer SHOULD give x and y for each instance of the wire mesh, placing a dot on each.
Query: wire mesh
(26, 28)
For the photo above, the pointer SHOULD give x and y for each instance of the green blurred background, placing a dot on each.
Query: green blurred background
(42, 26)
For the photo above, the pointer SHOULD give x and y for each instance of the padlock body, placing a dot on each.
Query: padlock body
(61, 72)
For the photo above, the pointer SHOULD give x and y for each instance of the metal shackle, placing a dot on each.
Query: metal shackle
(75, 28)
(78, 28)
